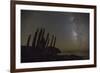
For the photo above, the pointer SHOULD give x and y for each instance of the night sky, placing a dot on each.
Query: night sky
(71, 29)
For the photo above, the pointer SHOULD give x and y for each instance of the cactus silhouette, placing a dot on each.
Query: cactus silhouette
(28, 41)
(54, 41)
(51, 44)
(35, 38)
(39, 38)
(42, 40)
(47, 40)
(47, 44)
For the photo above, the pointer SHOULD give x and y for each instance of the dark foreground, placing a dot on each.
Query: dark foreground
(29, 54)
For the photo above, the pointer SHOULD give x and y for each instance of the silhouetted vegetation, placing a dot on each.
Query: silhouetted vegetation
(43, 49)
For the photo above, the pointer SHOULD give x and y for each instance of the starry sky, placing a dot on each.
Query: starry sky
(71, 29)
